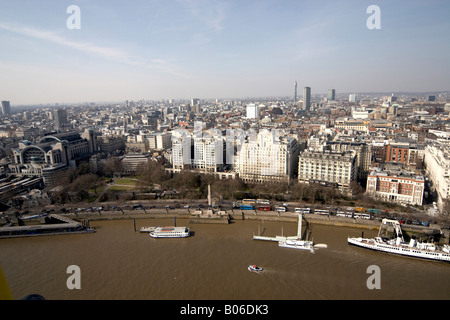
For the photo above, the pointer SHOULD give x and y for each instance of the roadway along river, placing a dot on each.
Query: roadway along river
(118, 263)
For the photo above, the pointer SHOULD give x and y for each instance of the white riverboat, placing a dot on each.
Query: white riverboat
(397, 245)
(170, 232)
(297, 244)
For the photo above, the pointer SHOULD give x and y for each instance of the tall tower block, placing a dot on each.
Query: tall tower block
(295, 94)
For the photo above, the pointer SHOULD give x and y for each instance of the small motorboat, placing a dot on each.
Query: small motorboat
(255, 268)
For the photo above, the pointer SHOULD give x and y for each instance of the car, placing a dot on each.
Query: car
(186, 206)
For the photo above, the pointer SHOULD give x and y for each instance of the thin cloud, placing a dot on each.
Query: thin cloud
(112, 54)
(212, 14)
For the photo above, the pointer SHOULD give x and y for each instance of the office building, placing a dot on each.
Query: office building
(400, 187)
(182, 150)
(268, 158)
(408, 155)
(110, 144)
(6, 108)
(437, 164)
(208, 151)
(363, 153)
(195, 105)
(336, 169)
(252, 111)
(351, 124)
(295, 92)
(61, 121)
(132, 161)
(160, 140)
(331, 94)
(306, 98)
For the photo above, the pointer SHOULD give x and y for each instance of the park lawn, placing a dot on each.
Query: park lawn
(127, 181)
(122, 188)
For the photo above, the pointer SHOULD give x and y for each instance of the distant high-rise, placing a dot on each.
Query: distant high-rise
(331, 94)
(60, 116)
(6, 108)
(352, 98)
(252, 111)
(195, 105)
(306, 98)
(295, 94)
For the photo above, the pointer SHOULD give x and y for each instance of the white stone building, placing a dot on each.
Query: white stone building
(328, 168)
(437, 163)
(268, 157)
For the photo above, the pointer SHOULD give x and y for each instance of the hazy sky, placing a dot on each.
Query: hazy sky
(131, 50)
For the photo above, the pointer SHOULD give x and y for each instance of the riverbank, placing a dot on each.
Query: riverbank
(230, 216)
(244, 215)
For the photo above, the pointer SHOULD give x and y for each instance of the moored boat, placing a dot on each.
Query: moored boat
(297, 244)
(397, 245)
(147, 229)
(170, 232)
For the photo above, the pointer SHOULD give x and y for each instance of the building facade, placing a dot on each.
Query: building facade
(400, 187)
(252, 111)
(437, 164)
(404, 154)
(132, 161)
(363, 155)
(337, 169)
(52, 154)
(6, 108)
(268, 157)
(306, 98)
(208, 151)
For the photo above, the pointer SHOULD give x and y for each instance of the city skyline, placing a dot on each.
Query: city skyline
(218, 49)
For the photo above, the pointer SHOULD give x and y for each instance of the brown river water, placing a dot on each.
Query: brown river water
(118, 263)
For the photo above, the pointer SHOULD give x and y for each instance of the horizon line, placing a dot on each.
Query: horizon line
(232, 98)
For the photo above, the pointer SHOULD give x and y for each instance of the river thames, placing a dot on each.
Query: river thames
(118, 263)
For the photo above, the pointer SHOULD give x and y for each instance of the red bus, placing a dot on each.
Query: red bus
(265, 208)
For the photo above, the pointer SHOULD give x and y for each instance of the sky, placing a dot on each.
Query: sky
(182, 49)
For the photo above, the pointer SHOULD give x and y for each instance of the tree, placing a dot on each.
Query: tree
(151, 173)
(111, 166)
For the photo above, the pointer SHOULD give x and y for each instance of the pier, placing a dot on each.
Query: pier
(282, 237)
(55, 224)
(209, 216)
